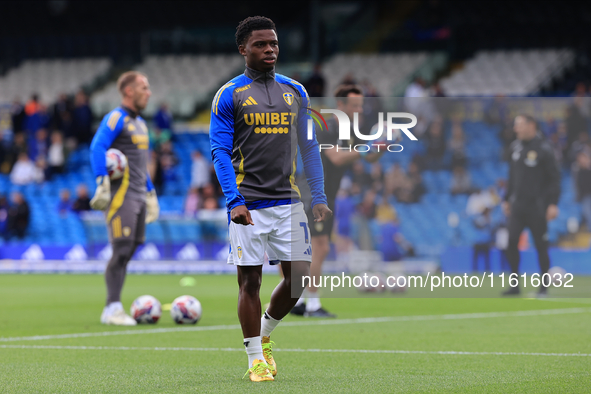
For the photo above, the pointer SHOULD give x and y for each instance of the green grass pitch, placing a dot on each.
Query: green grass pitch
(376, 345)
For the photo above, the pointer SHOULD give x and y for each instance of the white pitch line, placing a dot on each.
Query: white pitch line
(366, 351)
(460, 316)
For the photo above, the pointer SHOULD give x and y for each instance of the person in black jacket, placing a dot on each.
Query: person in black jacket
(18, 216)
(532, 193)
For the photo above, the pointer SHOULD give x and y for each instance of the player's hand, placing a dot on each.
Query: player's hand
(552, 212)
(102, 195)
(152, 207)
(506, 208)
(241, 215)
(321, 212)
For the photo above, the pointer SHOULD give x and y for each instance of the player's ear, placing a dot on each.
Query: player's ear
(242, 50)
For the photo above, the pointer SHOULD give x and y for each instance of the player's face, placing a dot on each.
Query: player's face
(523, 128)
(141, 93)
(261, 50)
(353, 104)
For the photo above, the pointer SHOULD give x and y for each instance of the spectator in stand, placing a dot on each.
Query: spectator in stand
(316, 83)
(435, 145)
(192, 202)
(344, 211)
(56, 155)
(582, 144)
(3, 216)
(82, 202)
(483, 240)
(416, 179)
(39, 147)
(583, 186)
(211, 204)
(163, 124)
(360, 176)
(17, 112)
(18, 216)
(59, 112)
(377, 177)
(460, 181)
(200, 170)
(366, 212)
(32, 106)
(25, 171)
(395, 180)
(168, 161)
(457, 145)
(19, 145)
(480, 200)
(64, 205)
(497, 111)
(576, 122)
(82, 118)
(38, 118)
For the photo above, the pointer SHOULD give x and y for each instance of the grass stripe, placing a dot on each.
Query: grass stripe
(390, 319)
(361, 351)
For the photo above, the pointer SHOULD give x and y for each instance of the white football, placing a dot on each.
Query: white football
(146, 309)
(557, 275)
(116, 163)
(185, 309)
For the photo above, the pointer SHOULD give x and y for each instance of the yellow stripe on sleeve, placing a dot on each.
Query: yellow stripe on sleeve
(113, 119)
(219, 95)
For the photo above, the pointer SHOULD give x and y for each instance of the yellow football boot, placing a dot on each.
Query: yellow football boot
(259, 372)
(268, 353)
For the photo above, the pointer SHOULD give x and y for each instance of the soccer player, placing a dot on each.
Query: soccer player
(532, 194)
(129, 202)
(258, 121)
(335, 164)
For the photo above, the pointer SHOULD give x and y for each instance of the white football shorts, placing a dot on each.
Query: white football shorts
(281, 232)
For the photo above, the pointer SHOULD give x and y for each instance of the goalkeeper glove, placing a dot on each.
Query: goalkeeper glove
(102, 195)
(152, 207)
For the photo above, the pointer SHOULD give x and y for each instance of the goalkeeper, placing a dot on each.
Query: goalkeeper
(130, 202)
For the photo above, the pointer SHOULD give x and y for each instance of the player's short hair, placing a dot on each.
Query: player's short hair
(128, 78)
(529, 119)
(250, 24)
(343, 91)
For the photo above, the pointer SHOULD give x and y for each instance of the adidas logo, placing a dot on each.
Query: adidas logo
(223, 254)
(250, 101)
(308, 251)
(105, 253)
(189, 252)
(33, 253)
(149, 252)
(77, 253)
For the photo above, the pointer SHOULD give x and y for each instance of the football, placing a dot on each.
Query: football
(146, 309)
(116, 163)
(185, 310)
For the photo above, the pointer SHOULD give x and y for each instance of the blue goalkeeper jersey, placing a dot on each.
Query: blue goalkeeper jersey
(258, 122)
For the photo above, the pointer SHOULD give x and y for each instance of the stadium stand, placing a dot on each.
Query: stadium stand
(384, 71)
(182, 81)
(49, 78)
(510, 73)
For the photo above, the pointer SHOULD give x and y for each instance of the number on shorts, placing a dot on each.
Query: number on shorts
(305, 226)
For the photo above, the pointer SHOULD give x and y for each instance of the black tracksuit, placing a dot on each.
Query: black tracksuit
(534, 183)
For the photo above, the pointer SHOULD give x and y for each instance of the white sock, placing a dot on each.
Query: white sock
(268, 324)
(313, 302)
(114, 306)
(254, 349)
